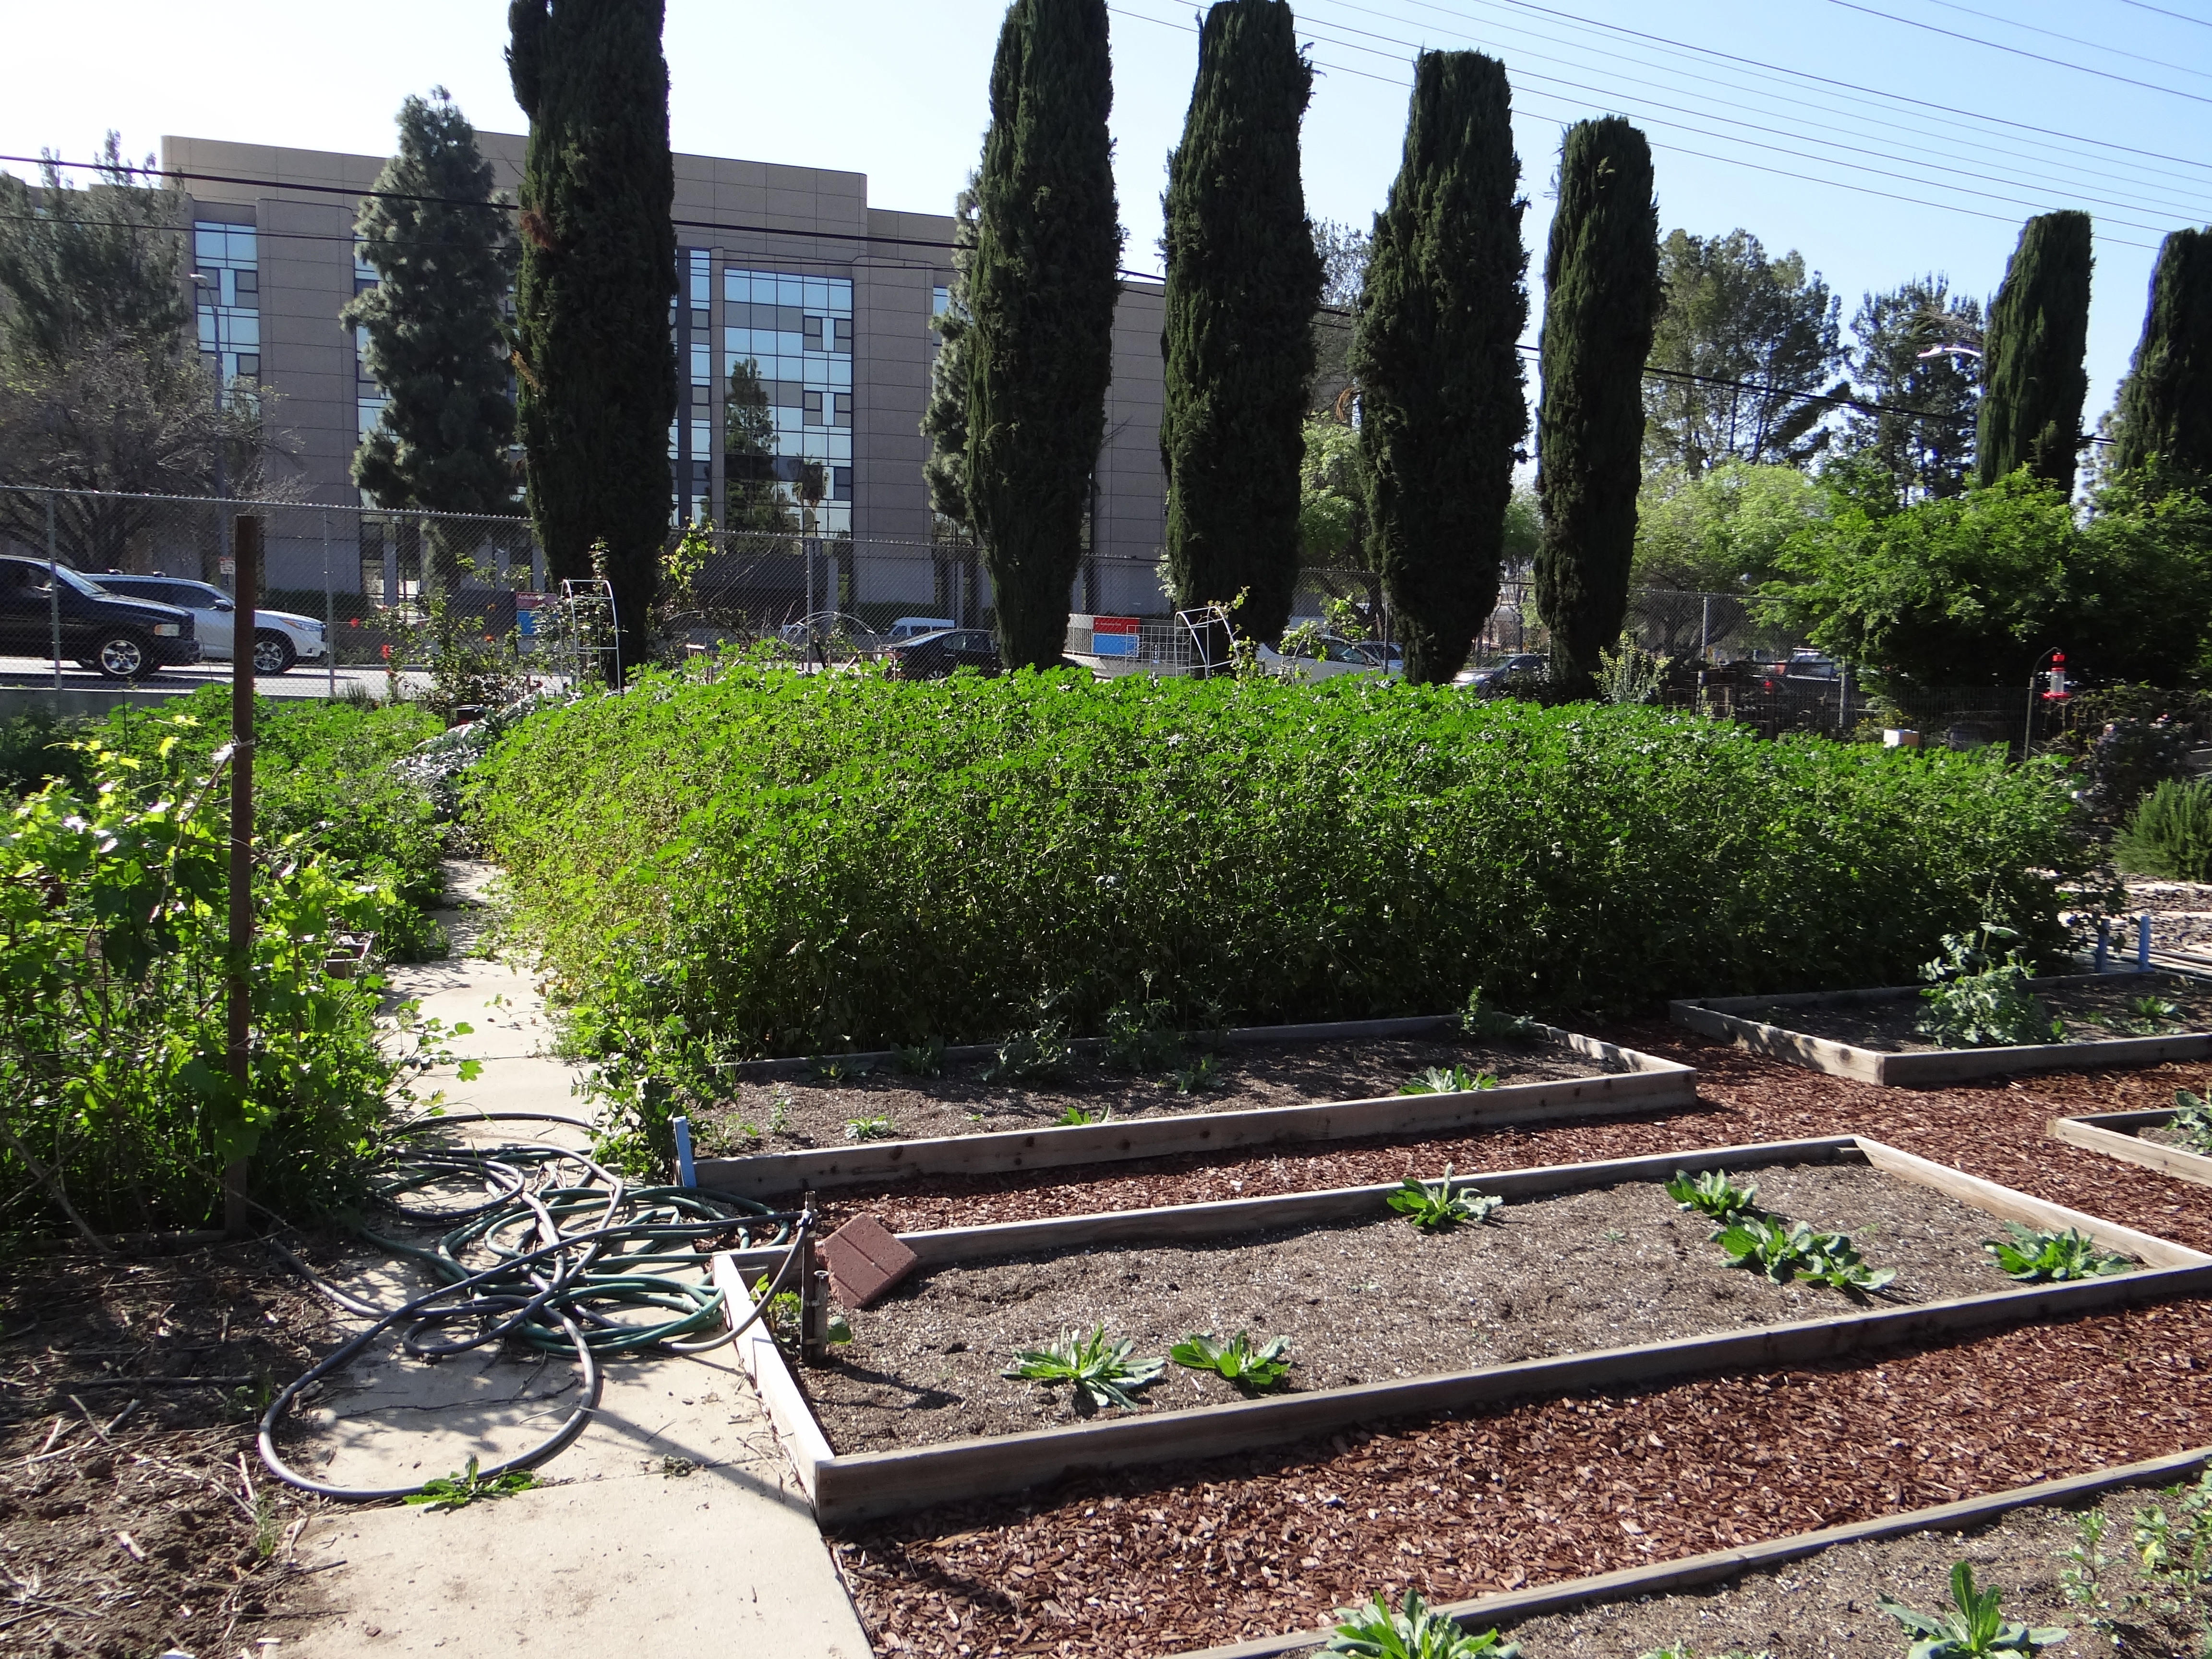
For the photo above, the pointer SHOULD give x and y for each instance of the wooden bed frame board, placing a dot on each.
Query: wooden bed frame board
(2107, 1132)
(1691, 1570)
(1646, 1083)
(854, 1486)
(1723, 1018)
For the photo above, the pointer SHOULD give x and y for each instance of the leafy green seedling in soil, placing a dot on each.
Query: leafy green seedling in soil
(838, 1068)
(2192, 1120)
(1034, 1056)
(1432, 1207)
(1454, 1079)
(1237, 1360)
(1141, 1037)
(1835, 1261)
(1101, 1372)
(779, 1109)
(1972, 1628)
(1712, 1194)
(782, 1316)
(2175, 1550)
(1488, 1025)
(1076, 1118)
(1774, 1246)
(2034, 1257)
(924, 1058)
(871, 1128)
(459, 1490)
(1202, 1076)
(1375, 1631)
(2148, 1016)
(1975, 1000)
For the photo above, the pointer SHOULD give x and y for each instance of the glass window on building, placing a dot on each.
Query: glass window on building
(787, 343)
(226, 279)
(692, 433)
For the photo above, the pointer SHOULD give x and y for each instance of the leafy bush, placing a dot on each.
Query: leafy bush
(1784, 1250)
(2170, 834)
(1038, 1056)
(1102, 1372)
(790, 863)
(1977, 1000)
(2032, 1256)
(35, 747)
(2192, 1120)
(115, 1099)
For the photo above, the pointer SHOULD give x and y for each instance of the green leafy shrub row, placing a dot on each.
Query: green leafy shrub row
(782, 863)
(2170, 833)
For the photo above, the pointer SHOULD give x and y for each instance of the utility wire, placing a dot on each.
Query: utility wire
(2022, 51)
(2070, 39)
(2140, 5)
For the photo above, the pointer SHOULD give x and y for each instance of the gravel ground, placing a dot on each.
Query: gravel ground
(801, 1112)
(2092, 1013)
(1369, 1301)
(2180, 916)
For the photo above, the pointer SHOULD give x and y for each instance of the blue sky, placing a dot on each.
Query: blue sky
(896, 89)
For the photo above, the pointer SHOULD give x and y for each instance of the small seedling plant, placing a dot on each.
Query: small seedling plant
(1413, 1632)
(1237, 1360)
(2192, 1120)
(923, 1059)
(782, 1318)
(1435, 1205)
(1074, 1117)
(2151, 1016)
(1973, 1627)
(1977, 1000)
(1101, 1372)
(1713, 1195)
(1202, 1076)
(871, 1128)
(837, 1068)
(464, 1486)
(2035, 1257)
(2175, 1551)
(1141, 1036)
(1784, 1250)
(1485, 1023)
(1453, 1079)
(1037, 1055)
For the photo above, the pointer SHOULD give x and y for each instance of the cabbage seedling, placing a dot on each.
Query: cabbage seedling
(1712, 1194)
(2192, 1120)
(1236, 1360)
(1453, 1079)
(1102, 1372)
(2032, 1257)
(1433, 1206)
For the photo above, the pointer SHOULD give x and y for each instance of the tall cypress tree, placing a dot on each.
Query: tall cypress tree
(594, 356)
(2165, 402)
(1041, 293)
(1243, 280)
(1602, 274)
(2033, 376)
(1441, 402)
(435, 326)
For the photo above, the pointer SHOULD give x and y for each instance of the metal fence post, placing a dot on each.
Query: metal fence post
(330, 614)
(54, 600)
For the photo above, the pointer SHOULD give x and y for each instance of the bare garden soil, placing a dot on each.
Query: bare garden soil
(1828, 1604)
(2097, 1012)
(808, 1111)
(128, 1525)
(1370, 1301)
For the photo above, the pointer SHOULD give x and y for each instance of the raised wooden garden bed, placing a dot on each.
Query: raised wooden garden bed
(2121, 1135)
(1513, 1607)
(1869, 1033)
(1553, 1075)
(851, 1485)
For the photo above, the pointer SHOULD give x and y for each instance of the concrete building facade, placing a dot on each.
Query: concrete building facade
(787, 269)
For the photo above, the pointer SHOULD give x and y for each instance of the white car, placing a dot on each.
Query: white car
(907, 627)
(280, 638)
(1330, 656)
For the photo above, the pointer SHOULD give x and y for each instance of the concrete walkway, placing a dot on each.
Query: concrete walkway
(673, 1525)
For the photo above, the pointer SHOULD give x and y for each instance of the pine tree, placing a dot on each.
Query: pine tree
(2033, 376)
(434, 326)
(1924, 439)
(2165, 402)
(1601, 272)
(1441, 401)
(944, 418)
(1243, 281)
(594, 356)
(1042, 293)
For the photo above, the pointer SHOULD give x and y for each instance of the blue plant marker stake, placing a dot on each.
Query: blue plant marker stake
(2142, 940)
(686, 1175)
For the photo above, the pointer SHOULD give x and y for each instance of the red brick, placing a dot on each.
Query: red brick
(865, 1259)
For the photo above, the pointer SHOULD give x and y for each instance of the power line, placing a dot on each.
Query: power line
(2022, 51)
(2140, 5)
(2070, 39)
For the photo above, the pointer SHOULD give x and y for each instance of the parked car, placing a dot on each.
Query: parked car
(120, 637)
(1332, 655)
(1527, 664)
(280, 638)
(933, 656)
(907, 627)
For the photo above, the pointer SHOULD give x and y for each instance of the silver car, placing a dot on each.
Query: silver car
(280, 638)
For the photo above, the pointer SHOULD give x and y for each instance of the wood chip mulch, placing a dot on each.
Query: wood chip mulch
(1150, 1562)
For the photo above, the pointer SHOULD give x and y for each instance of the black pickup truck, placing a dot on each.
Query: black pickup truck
(123, 639)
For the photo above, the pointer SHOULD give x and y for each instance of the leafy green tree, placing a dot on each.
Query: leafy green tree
(1929, 451)
(434, 326)
(1971, 590)
(1342, 251)
(1602, 273)
(99, 389)
(1332, 502)
(2165, 402)
(1243, 281)
(944, 419)
(1722, 531)
(596, 363)
(2034, 377)
(1438, 361)
(1750, 344)
(1042, 292)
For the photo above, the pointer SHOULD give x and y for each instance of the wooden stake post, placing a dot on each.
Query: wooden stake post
(246, 590)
